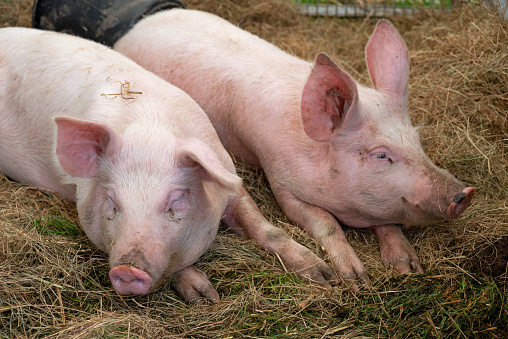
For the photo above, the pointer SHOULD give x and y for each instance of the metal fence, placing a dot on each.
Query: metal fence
(382, 8)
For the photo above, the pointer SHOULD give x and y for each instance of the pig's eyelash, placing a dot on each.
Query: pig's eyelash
(383, 156)
(111, 204)
(171, 215)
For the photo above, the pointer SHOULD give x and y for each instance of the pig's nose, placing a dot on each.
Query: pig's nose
(128, 280)
(460, 202)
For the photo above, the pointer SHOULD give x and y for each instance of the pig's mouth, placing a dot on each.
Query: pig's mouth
(417, 215)
(411, 214)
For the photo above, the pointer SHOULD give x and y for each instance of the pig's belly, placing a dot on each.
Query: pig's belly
(36, 172)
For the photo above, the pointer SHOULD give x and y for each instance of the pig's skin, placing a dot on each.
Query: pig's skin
(331, 149)
(155, 180)
(151, 184)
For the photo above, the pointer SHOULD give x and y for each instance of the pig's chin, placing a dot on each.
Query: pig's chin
(407, 217)
(414, 215)
(362, 220)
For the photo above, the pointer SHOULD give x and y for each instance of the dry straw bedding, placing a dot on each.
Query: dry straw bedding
(54, 283)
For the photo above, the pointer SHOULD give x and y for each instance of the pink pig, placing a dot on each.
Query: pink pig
(141, 159)
(334, 151)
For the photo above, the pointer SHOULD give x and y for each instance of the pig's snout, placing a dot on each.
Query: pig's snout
(128, 280)
(460, 202)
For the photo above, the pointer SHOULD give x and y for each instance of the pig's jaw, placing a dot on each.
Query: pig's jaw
(413, 214)
(359, 219)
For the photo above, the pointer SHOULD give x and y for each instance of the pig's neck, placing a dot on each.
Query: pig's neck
(267, 113)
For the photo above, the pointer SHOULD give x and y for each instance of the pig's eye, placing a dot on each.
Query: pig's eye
(177, 204)
(383, 156)
(171, 214)
(111, 208)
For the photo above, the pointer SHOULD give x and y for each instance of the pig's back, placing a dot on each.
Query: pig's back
(26, 132)
(196, 36)
(44, 75)
(244, 84)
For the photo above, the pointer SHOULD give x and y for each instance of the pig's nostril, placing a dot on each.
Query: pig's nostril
(460, 202)
(459, 197)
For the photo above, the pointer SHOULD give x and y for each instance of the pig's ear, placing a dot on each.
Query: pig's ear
(80, 143)
(192, 153)
(329, 100)
(388, 60)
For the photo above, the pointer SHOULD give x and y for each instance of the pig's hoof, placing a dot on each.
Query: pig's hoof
(193, 286)
(321, 275)
(309, 266)
(407, 265)
(350, 268)
(128, 280)
(351, 280)
(402, 257)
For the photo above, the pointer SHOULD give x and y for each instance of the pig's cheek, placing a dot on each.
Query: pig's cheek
(90, 221)
(418, 189)
(108, 229)
(108, 226)
(195, 243)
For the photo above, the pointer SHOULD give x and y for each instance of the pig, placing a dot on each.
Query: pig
(335, 152)
(140, 158)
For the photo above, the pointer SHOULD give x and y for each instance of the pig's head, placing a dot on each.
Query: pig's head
(376, 171)
(151, 201)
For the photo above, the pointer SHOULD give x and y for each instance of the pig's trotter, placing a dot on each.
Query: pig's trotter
(396, 249)
(193, 286)
(245, 219)
(305, 263)
(324, 228)
(350, 266)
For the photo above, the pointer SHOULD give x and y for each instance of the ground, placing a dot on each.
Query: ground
(54, 282)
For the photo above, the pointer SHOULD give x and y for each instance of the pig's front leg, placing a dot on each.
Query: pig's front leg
(396, 249)
(193, 286)
(326, 230)
(245, 219)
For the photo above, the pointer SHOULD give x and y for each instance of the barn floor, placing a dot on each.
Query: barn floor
(54, 282)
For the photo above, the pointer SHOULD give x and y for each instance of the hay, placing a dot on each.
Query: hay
(54, 282)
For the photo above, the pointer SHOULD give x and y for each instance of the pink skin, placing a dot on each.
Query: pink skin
(193, 285)
(147, 171)
(333, 150)
(150, 178)
(145, 236)
(460, 202)
(129, 280)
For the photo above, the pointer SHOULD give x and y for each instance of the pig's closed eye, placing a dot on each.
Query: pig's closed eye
(177, 204)
(111, 209)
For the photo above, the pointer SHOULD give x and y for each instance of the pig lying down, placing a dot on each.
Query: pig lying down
(150, 186)
(139, 157)
(334, 152)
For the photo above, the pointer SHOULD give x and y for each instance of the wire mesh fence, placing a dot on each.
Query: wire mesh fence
(376, 8)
